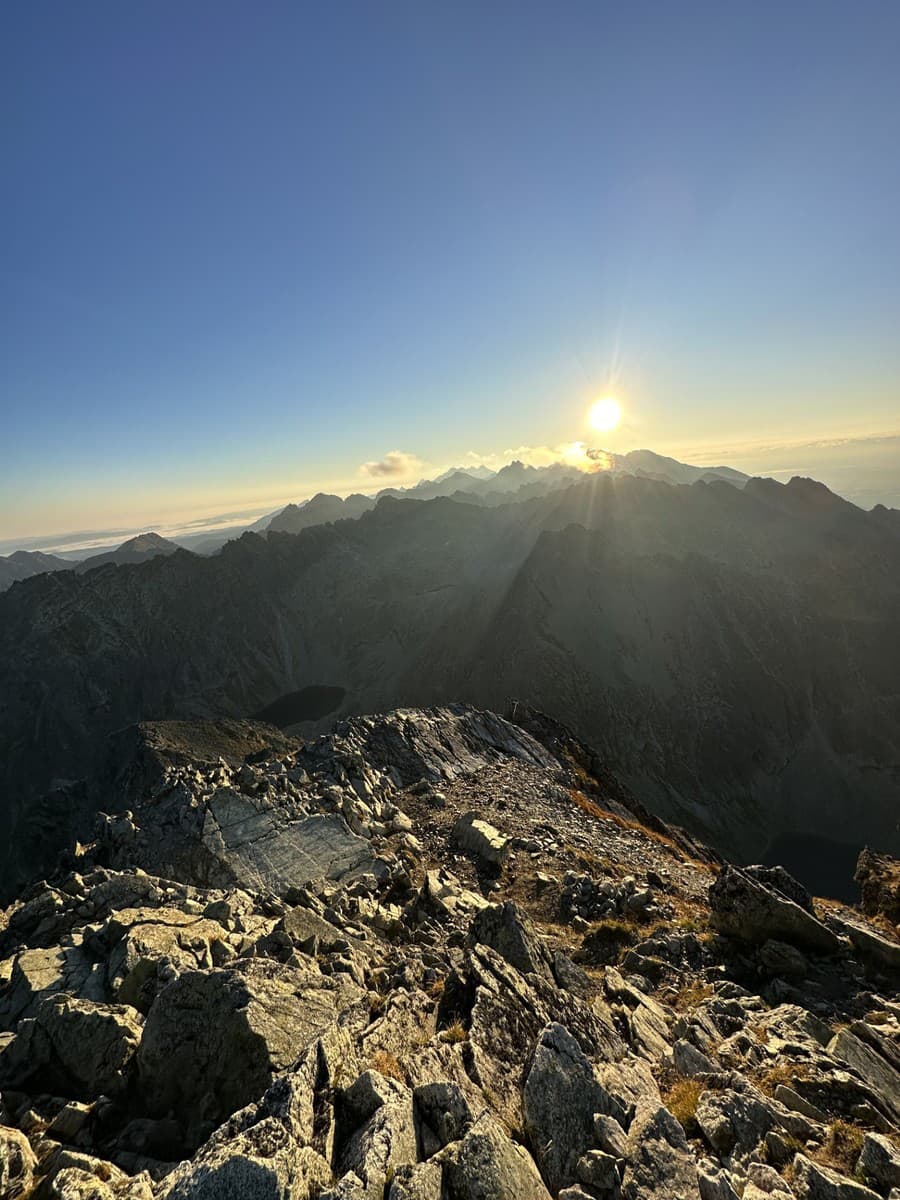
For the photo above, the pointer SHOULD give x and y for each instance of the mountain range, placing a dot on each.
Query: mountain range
(731, 650)
(475, 483)
(481, 484)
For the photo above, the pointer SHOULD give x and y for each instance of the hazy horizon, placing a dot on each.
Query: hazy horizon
(247, 254)
(865, 471)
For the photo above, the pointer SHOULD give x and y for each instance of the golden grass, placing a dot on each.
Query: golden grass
(661, 839)
(387, 1064)
(691, 995)
(842, 1147)
(681, 1099)
(787, 1073)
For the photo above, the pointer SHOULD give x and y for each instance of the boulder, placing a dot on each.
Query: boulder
(715, 1182)
(734, 1121)
(443, 895)
(38, 973)
(813, 1181)
(879, 1162)
(478, 838)
(487, 1165)
(690, 1061)
(782, 881)
(659, 1163)
(597, 1170)
(648, 1020)
(419, 1181)
(386, 1140)
(17, 1163)
(214, 1039)
(609, 1135)
(73, 1047)
(443, 1115)
(876, 950)
(870, 1066)
(559, 1100)
(744, 909)
(506, 929)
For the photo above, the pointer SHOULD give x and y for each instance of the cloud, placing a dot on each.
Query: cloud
(570, 454)
(395, 463)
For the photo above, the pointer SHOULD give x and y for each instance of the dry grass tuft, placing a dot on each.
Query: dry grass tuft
(587, 805)
(387, 1064)
(606, 941)
(691, 995)
(842, 1148)
(785, 1072)
(681, 1099)
(454, 1033)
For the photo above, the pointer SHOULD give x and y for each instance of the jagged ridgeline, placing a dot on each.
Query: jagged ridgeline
(434, 955)
(731, 651)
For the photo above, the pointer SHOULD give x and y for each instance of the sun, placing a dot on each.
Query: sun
(605, 414)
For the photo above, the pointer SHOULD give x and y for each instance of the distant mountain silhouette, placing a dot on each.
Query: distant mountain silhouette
(24, 563)
(516, 479)
(320, 510)
(136, 550)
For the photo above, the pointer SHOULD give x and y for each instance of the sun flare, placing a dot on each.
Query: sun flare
(605, 414)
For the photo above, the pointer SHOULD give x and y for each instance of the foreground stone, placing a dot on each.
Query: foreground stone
(74, 1047)
(813, 1181)
(214, 1040)
(747, 910)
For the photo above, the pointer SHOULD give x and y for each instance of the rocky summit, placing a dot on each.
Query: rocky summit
(434, 955)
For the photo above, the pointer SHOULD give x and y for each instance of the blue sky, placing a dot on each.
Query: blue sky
(249, 247)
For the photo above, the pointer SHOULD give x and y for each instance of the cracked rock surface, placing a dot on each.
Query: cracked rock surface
(434, 955)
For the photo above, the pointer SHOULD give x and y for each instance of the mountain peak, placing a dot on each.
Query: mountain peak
(150, 541)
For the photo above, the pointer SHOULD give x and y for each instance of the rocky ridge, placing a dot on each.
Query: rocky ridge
(435, 955)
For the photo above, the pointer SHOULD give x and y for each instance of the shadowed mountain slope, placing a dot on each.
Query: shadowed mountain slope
(733, 653)
(22, 564)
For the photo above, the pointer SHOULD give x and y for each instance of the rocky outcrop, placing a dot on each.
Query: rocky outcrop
(213, 1040)
(73, 1047)
(561, 1098)
(751, 911)
(414, 1026)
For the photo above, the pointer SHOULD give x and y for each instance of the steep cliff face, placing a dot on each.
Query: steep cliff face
(733, 653)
